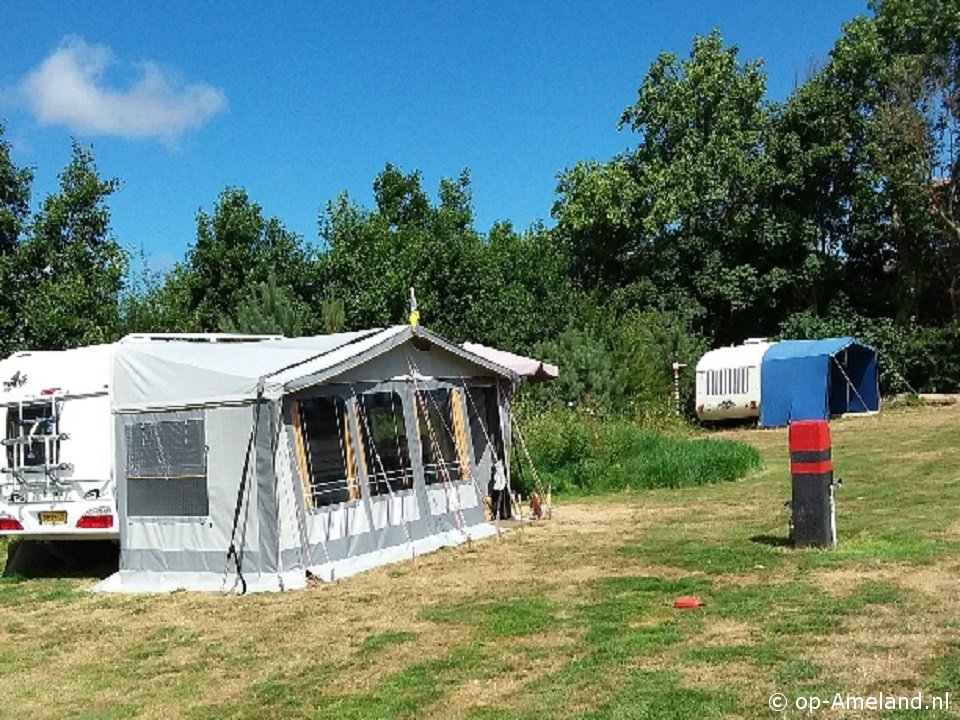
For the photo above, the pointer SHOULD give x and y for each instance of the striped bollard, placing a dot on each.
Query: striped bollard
(811, 471)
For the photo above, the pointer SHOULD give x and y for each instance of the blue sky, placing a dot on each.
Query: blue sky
(299, 101)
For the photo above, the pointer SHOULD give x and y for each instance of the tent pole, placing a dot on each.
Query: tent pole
(846, 364)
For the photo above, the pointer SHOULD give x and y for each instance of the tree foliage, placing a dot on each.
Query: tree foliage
(67, 273)
(15, 184)
(236, 249)
(686, 216)
(506, 287)
(267, 309)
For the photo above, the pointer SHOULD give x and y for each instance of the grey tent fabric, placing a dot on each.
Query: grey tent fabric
(221, 446)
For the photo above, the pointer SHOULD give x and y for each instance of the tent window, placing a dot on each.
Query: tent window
(330, 457)
(167, 468)
(443, 429)
(384, 435)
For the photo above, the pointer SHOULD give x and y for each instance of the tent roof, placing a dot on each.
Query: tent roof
(747, 355)
(535, 370)
(154, 375)
(787, 349)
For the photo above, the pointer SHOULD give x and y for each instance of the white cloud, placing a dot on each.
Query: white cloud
(67, 88)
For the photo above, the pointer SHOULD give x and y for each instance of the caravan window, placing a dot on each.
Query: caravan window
(166, 466)
(442, 429)
(729, 381)
(384, 436)
(328, 452)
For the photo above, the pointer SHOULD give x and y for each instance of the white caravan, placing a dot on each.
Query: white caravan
(728, 381)
(57, 481)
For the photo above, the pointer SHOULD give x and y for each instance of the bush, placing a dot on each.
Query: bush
(578, 453)
(621, 364)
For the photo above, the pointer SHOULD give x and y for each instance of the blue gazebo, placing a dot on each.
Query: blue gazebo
(814, 379)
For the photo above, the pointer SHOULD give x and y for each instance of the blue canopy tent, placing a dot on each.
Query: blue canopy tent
(814, 379)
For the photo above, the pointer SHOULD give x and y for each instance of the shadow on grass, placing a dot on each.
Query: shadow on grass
(772, 540)
(62, 559)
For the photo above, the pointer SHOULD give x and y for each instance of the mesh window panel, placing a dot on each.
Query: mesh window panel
(160, 497)
(167, 467)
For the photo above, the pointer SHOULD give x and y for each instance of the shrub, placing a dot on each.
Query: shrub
(621, 363)
(578, 453)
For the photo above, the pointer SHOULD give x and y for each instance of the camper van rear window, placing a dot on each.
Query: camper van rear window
(166, 466)
(31, 432)
(384, 437)
(328, 452)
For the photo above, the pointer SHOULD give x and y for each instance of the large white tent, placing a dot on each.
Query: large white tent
(251, 467)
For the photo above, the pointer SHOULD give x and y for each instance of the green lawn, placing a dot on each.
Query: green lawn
(571, 618)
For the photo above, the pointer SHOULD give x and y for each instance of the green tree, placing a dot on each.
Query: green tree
(268, 308)
(509, 289)
(333, 315)
(375, 256)
(155, 302)
(686, 216)
(237, 248)
(15, 187)
(874, 156)
(816, 144)
(68, 273)
(525, 293)
(15, 184)
(622, 363)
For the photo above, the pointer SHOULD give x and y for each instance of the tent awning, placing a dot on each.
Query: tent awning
(532, 369)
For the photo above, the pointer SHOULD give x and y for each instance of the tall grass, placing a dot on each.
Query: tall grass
(581, 454)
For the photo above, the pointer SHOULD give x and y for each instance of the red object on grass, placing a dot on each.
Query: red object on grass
(687, 602)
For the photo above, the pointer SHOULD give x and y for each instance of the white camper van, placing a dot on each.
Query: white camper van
(57, 480)
(728, 381)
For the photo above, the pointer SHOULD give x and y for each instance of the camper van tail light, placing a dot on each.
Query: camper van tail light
(100, 518)
(49, 391)
(8, 522)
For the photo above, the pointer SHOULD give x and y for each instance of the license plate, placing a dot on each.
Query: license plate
(53, 517)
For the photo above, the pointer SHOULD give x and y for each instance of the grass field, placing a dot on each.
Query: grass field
(570, 618)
